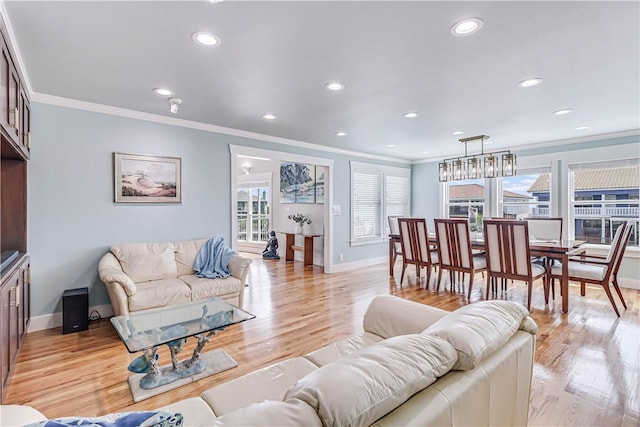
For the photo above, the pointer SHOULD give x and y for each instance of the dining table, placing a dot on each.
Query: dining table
(554, 249)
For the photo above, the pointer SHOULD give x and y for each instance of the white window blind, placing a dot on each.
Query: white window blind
(366, 205)
(377, 191)
(397, 193)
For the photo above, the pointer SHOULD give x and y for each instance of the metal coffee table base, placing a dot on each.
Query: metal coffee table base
(214, 361)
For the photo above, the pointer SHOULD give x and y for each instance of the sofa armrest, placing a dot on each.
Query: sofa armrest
(239, 268)
(118, 284)
(388, 316)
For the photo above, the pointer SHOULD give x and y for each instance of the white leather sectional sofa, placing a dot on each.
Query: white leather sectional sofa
(413, 365)
(140, 276)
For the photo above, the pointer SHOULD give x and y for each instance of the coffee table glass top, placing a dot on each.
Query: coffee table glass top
(151, 328)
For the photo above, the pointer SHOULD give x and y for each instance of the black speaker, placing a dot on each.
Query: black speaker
(75, 310)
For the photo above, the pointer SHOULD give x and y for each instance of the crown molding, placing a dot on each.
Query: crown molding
(156, 118)
(569, 141)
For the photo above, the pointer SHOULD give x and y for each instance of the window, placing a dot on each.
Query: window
(253, 214)
(376, 192)
(603, 196)
(527, 195)
(465, 199)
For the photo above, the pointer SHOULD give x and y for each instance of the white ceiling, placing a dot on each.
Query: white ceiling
(393, 57)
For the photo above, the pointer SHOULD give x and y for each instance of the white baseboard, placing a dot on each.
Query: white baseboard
(337, 268)
(627, 282)
(51, 321)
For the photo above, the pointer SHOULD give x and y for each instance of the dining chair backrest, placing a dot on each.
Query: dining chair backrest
(545, 229)
(616, 242)
(414, 240)
(507, 249)
(394, 228)
(454, 246)
(624, 238)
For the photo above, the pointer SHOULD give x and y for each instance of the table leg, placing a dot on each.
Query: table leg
(289, 250)
(392, 256)
(308, 250)
(564, 283)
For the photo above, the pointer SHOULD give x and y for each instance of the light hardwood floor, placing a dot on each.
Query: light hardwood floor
(587, 369)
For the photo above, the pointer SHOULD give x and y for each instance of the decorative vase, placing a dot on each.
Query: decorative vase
(298, 229)
(305, 229)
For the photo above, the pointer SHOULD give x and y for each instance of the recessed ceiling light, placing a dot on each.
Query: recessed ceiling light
(457, 132)
(162, 91)
(216, 1)
(466, 27)
(489, 142)
(530, 82)
(341, 133)
(391, 145)
(410, 115)
(563, 112)
(268, 116)
(205, 39)
(582, 127)
(425, 152)
(334, 86)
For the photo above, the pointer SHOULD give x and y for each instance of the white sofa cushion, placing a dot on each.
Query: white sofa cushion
(196, 412)
(268, 383)
(146, 261)
(334, 351)
(364, 386)
(17, 415)
(202, 288)
(159, 293)
(290, 413)
(389, 316)
(185, 253)
(478, 329)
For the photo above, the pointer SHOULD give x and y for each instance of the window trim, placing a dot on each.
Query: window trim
(382, 171)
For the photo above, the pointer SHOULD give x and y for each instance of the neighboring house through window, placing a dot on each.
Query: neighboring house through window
(602, 195)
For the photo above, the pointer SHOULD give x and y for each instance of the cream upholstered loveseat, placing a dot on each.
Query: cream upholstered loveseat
(413, 365)
(139, 276)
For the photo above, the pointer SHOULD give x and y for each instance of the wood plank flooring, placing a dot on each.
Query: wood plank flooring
(587, 369)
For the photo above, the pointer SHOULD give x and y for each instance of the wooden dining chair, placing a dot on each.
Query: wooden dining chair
(509, 255)
(414, 239)
(544, 229)
(394, 229)
(598, 270)
(454, 251)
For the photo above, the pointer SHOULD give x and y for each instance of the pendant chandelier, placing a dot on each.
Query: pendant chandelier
(477, 165)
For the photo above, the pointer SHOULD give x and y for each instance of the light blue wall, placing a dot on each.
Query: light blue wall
(72, 219)
(425, 196)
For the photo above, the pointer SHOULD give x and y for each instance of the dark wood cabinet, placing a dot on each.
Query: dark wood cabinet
(14, 315)
(25, 123)
(15, 145)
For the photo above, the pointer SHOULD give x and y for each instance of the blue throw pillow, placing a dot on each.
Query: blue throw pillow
(123, 419)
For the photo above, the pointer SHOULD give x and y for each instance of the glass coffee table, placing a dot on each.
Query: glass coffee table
(171, 326)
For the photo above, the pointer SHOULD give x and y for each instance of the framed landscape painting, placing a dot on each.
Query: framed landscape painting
(147, 179)
(297, 183)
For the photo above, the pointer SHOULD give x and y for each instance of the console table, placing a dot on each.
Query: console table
(307, 246)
